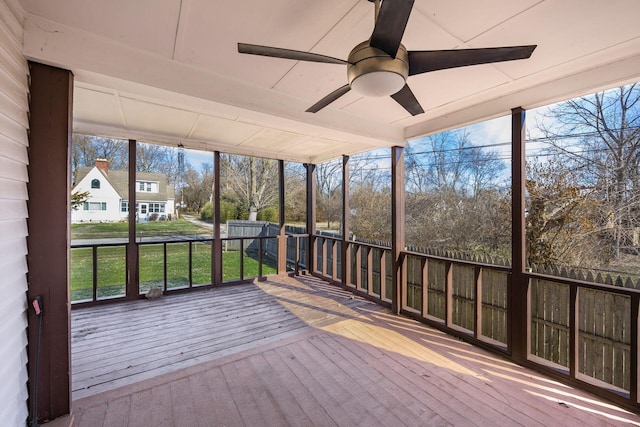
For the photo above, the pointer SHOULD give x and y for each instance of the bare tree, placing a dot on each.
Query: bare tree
(329, 191)
(86, 149)
(455, 195)
(197, 187)
(295, 197)
(565, 222)
(252, 182)
(600, 133)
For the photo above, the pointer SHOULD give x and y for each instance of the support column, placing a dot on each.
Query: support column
(397, 224)
(346, 224)
(282, 237)
(50, 125)
(311, 216)
(216, 247)
(518, 290)
(133, 276)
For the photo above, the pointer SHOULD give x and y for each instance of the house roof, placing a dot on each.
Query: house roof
(119, 180)
(168, 71)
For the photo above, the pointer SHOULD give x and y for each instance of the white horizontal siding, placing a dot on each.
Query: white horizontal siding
(13, 217)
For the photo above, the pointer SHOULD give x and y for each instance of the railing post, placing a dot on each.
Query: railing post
(346, 223)
(573, 331)
(94, 253)
(297, 254)
(519, 330)
(369, 270)
(425, 287)
(133, 276)
(325, 265)
(634, 353)
(311, 216)
(448, 294)
(383, 274)
(358, 255)
(397, 224)
(190, 264)
(477, 324)
(282, 238)
(241, 259)
(164, 266)
(260, 256)
(216, 245)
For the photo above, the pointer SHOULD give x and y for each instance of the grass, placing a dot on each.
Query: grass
(112, 274)
(97, 230)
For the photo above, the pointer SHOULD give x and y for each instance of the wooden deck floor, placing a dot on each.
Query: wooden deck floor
(298, 351)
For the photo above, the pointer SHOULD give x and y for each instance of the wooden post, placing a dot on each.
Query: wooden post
(311, 216)
(216, 247)
(282, 237)
(518, 292)
(50, 124)
(477, 324)
(634, 353)
(397, 224)
(345, 249)
(133, 275)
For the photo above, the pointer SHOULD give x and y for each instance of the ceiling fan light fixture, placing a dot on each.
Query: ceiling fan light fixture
(372, 72)
(378, 83)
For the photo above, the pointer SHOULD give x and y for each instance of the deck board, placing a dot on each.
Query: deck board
(299, 351)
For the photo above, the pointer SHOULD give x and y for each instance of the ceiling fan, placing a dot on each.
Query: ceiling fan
(380, 66)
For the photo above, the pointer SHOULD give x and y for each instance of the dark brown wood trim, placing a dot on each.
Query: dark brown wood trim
(573, 331)
(311, 216)
(133, 276)
(518, 307)
(346, 222)
(634, 351)
(50, 124)
(397, 223)
(282, 238)
(448, 292)
(216, 248)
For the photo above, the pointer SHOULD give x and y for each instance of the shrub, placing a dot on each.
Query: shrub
(206, 212)
(227, 211)
(270, 213)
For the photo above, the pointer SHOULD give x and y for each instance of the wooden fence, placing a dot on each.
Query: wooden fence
(296, 246)
(604, 318)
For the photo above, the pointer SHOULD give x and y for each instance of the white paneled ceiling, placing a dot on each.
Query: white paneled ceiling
(168, 71)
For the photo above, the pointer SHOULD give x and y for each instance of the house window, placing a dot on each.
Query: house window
(156, 207)
(95, 183)
(147, 186)
(124, 206)
(95, 206)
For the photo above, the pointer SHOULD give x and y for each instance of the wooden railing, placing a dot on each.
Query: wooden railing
(99, 271)
(581, 332)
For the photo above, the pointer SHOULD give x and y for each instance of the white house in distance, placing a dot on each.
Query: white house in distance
(108, 199)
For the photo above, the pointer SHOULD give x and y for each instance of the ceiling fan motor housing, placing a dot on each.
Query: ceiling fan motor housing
(372, 72)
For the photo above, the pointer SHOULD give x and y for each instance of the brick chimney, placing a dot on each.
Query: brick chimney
(103, 165)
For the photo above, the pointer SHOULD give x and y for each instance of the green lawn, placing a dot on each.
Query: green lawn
(111, 268)
(96, 230)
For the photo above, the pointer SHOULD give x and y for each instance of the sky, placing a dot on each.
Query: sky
(493, 131)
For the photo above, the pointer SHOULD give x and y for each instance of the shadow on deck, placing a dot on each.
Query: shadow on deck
(299, 351)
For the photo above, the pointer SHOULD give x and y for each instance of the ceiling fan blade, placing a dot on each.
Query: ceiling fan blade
(390, 24)
(407, 99)
(432, 60)
(297, 55)
(329, 99)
